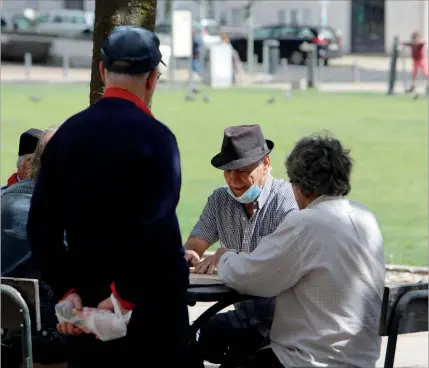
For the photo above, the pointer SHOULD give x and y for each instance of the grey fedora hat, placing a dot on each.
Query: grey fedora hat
(242, 146)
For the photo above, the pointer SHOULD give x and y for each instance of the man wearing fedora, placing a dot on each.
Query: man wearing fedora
(238, 215)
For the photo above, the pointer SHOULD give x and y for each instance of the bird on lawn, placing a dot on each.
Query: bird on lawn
(206, 99)
(189, 98)
(270, 101)
(34, 98)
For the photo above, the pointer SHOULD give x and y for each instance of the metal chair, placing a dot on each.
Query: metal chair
(404, 310)
(16, 312)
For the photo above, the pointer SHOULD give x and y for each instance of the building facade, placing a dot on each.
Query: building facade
(367, 26)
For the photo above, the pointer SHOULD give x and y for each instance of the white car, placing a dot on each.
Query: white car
(65, 22)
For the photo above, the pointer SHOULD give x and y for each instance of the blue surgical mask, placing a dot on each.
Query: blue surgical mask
(249, 196)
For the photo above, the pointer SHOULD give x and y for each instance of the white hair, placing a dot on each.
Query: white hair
(119, 78)
(23, 158)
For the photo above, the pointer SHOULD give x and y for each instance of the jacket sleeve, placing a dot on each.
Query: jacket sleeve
(45, 226)
(156, 230)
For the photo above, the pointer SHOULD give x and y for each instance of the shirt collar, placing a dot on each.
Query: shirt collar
(266, 189)
(323, 198)
(114, 92)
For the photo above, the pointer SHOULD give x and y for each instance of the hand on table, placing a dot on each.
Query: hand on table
(209, 264)
(192, 257)
(67, 328)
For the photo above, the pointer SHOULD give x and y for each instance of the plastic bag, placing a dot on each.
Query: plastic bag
(106, 325)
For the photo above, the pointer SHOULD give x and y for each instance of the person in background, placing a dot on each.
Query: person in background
(418, 54)
(110, 231)
(16, 261)
(238, 215)
(324, 265)
(198, 62)
(27, 144)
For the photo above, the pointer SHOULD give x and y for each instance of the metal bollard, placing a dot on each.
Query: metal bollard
(320, 69)
(28, 63)
(255, 63)
(404, 69)
(393, 62)
(356, 72)
(284, 64)
(66, 65)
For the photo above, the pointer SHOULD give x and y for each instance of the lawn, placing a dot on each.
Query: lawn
(387, 136)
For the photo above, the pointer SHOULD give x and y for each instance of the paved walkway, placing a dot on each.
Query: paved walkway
(46, 74)
(412, 350)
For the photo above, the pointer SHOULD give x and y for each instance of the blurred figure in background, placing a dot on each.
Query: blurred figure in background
(418, 54)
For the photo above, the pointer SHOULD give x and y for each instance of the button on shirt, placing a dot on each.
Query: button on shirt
(326, 266)
(225, 220)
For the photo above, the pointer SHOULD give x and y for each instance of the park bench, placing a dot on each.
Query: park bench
(404, 310)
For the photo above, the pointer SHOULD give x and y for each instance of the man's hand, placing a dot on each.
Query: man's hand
(108, 305)
(66, 328)
(209, 264)
(192, 257)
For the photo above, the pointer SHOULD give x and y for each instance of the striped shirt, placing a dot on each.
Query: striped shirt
(225, 220)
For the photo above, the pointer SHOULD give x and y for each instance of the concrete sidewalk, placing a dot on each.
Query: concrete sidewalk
(411, 351)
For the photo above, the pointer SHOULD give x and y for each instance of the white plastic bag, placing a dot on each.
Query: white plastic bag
(103, 323)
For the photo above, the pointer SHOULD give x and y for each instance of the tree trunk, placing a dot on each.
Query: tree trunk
(109, 14)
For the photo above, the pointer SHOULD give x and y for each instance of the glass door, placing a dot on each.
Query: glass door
(368, 26)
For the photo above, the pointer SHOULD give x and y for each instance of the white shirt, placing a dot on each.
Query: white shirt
(326, 266)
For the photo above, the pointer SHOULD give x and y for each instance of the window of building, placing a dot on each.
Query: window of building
(74, 4)
(307, 16)
(236, 16)
(281, 16)
(223, 18)
(294, 17)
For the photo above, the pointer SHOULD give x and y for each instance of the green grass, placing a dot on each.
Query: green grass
(387, 136)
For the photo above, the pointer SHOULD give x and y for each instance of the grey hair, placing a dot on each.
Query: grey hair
(320, 165)
(23, 158)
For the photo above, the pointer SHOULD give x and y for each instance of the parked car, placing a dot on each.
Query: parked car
(15, 23)
(64, 22)
(209, 29)
(291, 38)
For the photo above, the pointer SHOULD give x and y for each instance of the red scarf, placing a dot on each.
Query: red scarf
(12, 180)
(114, 92)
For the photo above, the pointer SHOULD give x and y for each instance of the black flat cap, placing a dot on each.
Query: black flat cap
(131, 50)
(28, 141)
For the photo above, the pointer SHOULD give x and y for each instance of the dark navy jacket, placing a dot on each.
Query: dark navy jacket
(111, 178)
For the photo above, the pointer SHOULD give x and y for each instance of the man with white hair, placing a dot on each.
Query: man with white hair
(111, 226)
(27, 144)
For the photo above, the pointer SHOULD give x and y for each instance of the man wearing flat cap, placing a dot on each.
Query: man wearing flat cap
(238, 215)
(27, 145)
(109, 228)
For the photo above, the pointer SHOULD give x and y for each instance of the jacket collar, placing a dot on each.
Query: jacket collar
(24, 186)
(114, 92)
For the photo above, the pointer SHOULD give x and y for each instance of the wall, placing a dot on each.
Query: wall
(404, 17)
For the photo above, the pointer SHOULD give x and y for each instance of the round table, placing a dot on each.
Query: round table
(219, 293)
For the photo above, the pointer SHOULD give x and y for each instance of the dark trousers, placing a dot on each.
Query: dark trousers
(220, 342)
(264, 358)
